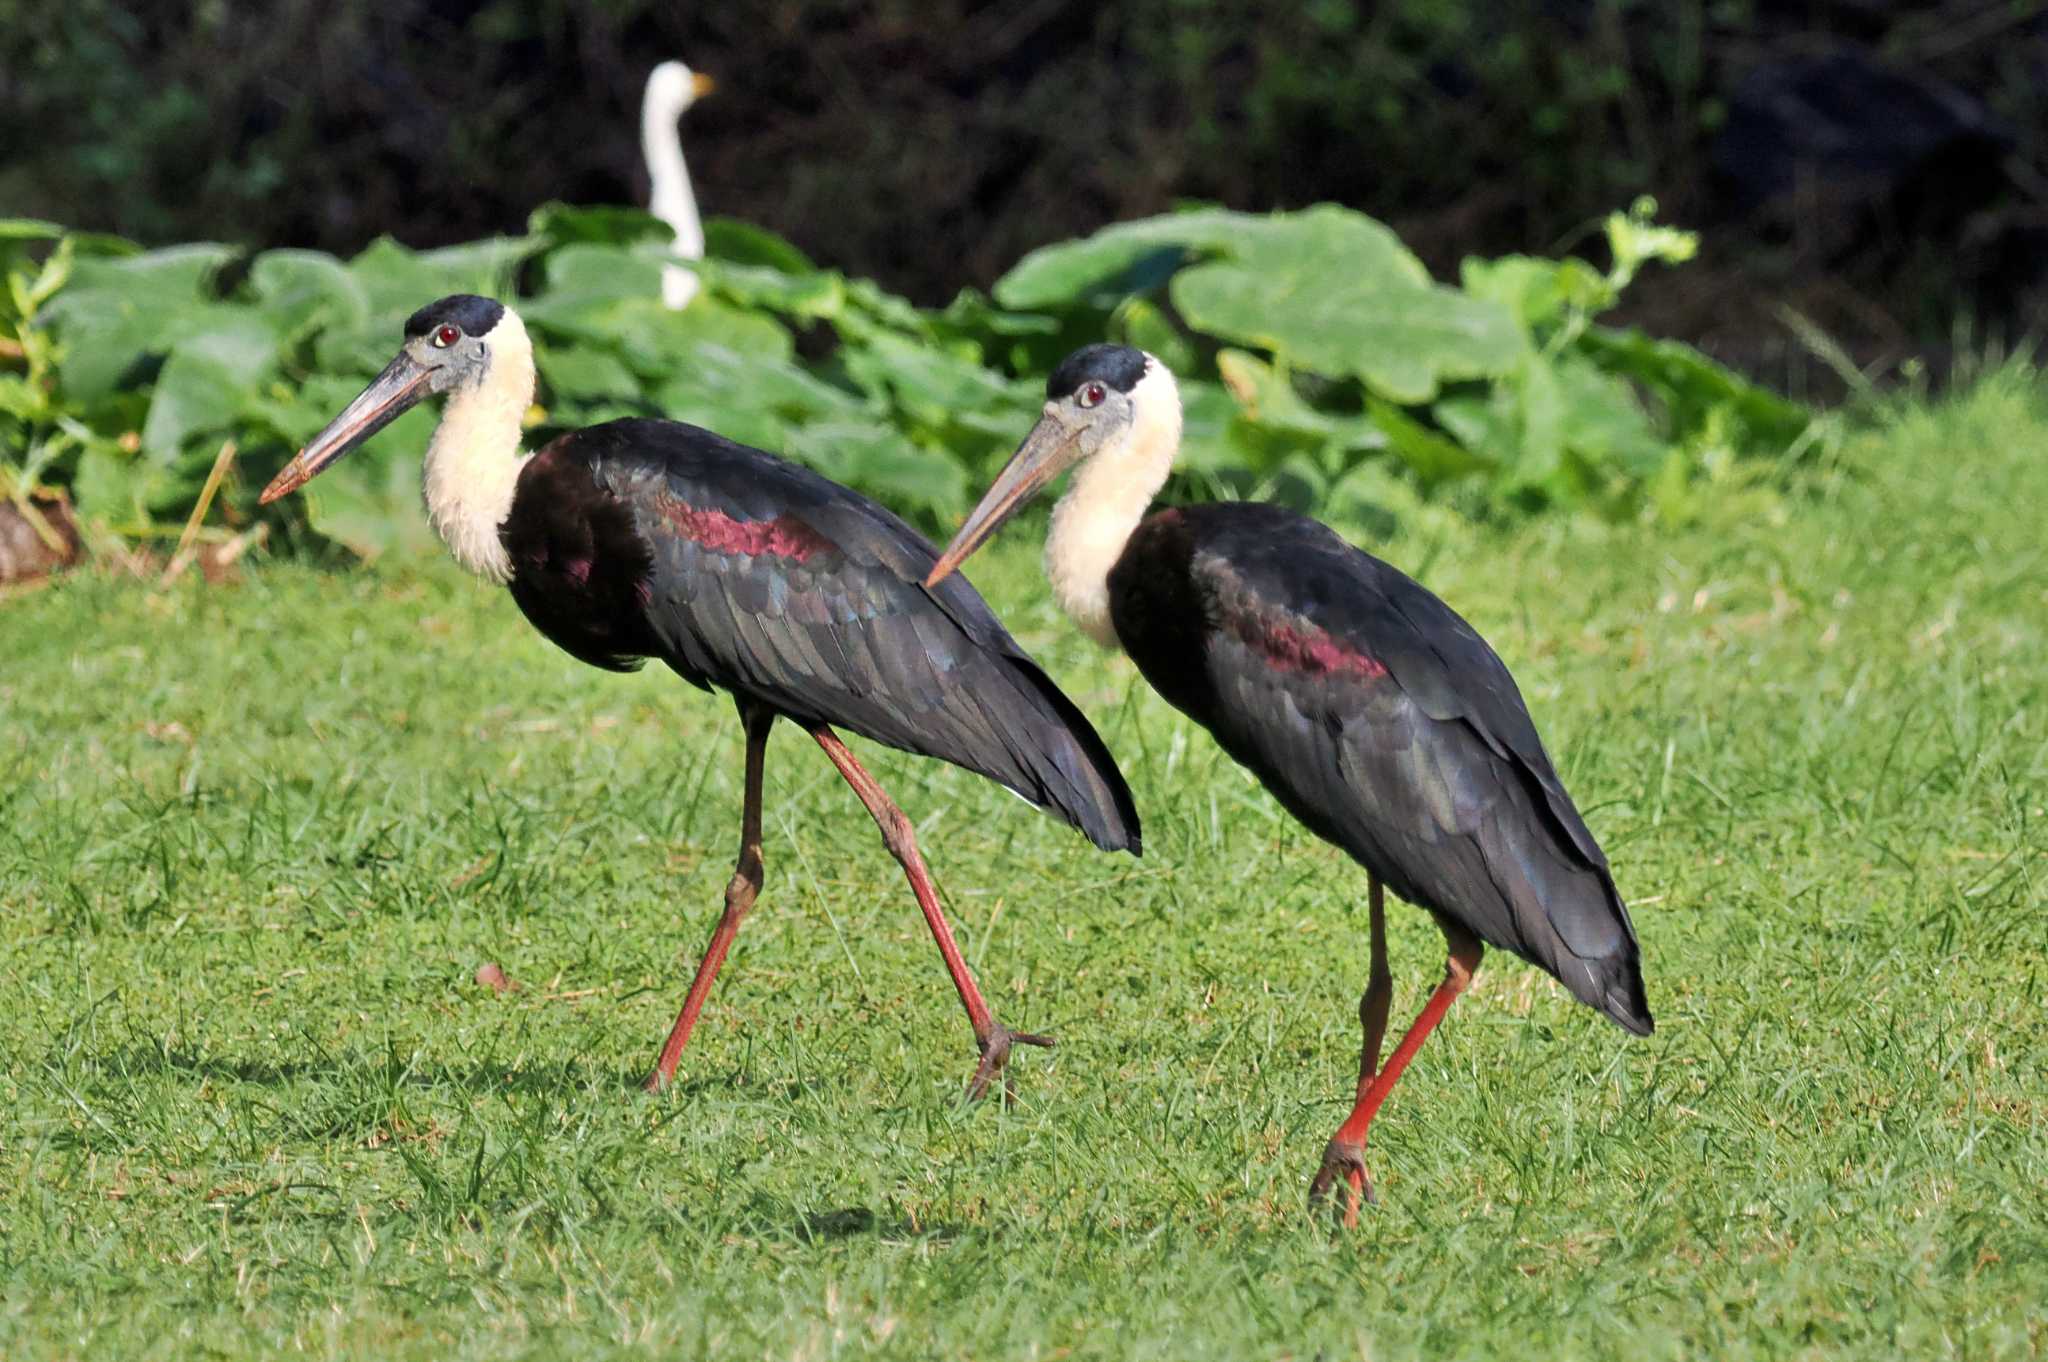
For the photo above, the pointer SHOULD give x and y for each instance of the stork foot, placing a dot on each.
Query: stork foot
(995, 1059)
(1344, 1163)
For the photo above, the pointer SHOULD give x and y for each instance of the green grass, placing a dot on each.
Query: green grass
(257, 840)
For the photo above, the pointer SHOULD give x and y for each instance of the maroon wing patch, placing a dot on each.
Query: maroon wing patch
(782, 536)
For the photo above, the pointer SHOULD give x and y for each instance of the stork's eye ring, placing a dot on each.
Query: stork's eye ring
(447, 336)
(1091, 395)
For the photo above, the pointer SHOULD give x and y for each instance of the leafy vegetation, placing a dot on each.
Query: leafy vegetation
(251, 1104)
(1314, 344)
(1334, 343)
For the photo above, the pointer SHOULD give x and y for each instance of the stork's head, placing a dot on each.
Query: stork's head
(461, 343)
(1110, 407)
(673, 87)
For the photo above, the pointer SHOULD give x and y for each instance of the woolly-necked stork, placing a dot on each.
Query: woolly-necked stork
(1371, 710)
(643, 539)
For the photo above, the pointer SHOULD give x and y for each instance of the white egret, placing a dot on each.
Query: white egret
(672, 88)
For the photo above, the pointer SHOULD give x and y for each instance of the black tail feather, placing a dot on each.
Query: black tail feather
(1089, 792)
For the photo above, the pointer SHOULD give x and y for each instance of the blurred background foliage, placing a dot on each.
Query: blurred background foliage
(1448, 307)
(1863, 171)
(1320, 362)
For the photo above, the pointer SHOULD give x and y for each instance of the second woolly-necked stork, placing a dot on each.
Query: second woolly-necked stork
(641, 539)
(1373, 712)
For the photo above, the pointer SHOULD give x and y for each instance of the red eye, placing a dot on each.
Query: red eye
(1091, 395)
(447, 336)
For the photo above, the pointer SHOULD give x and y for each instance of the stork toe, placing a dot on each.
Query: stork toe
(995, 1059)
(1343, 1162)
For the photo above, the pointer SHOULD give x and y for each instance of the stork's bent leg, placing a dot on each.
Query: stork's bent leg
(1373, 1007)
(1344, 1157)
(740, 892)
(990, 1036)
(1378, 998)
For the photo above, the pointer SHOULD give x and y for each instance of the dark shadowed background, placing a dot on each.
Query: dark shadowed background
(1876, 170)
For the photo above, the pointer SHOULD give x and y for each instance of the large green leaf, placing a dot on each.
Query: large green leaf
(204, 383)
(1428, 454)
(590, 272)
(370, 500)
(879, 461)
(1537, 291)
(396, 282)
(732, 415)
(611, 296)
(585, 373)
(1606, 422)
(755, 382)
(295, 413)
(371, 506)
(1526, 426)
(1482, 420)
(1326, 290)
(1334, 292)
(935, 383)
(111, 487)
(970, 314)
(305, 291)
(115, 312)
(1267, 398)
(941, 397)
(871, 305)
(1539, 421)
(1141, 322)
(742, 243)
(1110, 261)
(1694, 386)
(1210, 426)
(604, 224)
(396, 279)
(819, 294)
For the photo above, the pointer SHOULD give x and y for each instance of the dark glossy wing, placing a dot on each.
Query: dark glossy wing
(1382, 720)
(770, 580)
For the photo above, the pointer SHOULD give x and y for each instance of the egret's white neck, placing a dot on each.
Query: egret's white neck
(473, 462)
(1108, 497)
(672, 200)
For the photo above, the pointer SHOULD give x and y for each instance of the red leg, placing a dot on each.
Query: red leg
(1345, 1155)
(990, 1036)
(740, 892)
(1373, 1007)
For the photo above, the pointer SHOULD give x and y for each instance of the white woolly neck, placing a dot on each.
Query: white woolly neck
(1108, 496)
(473, 461)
